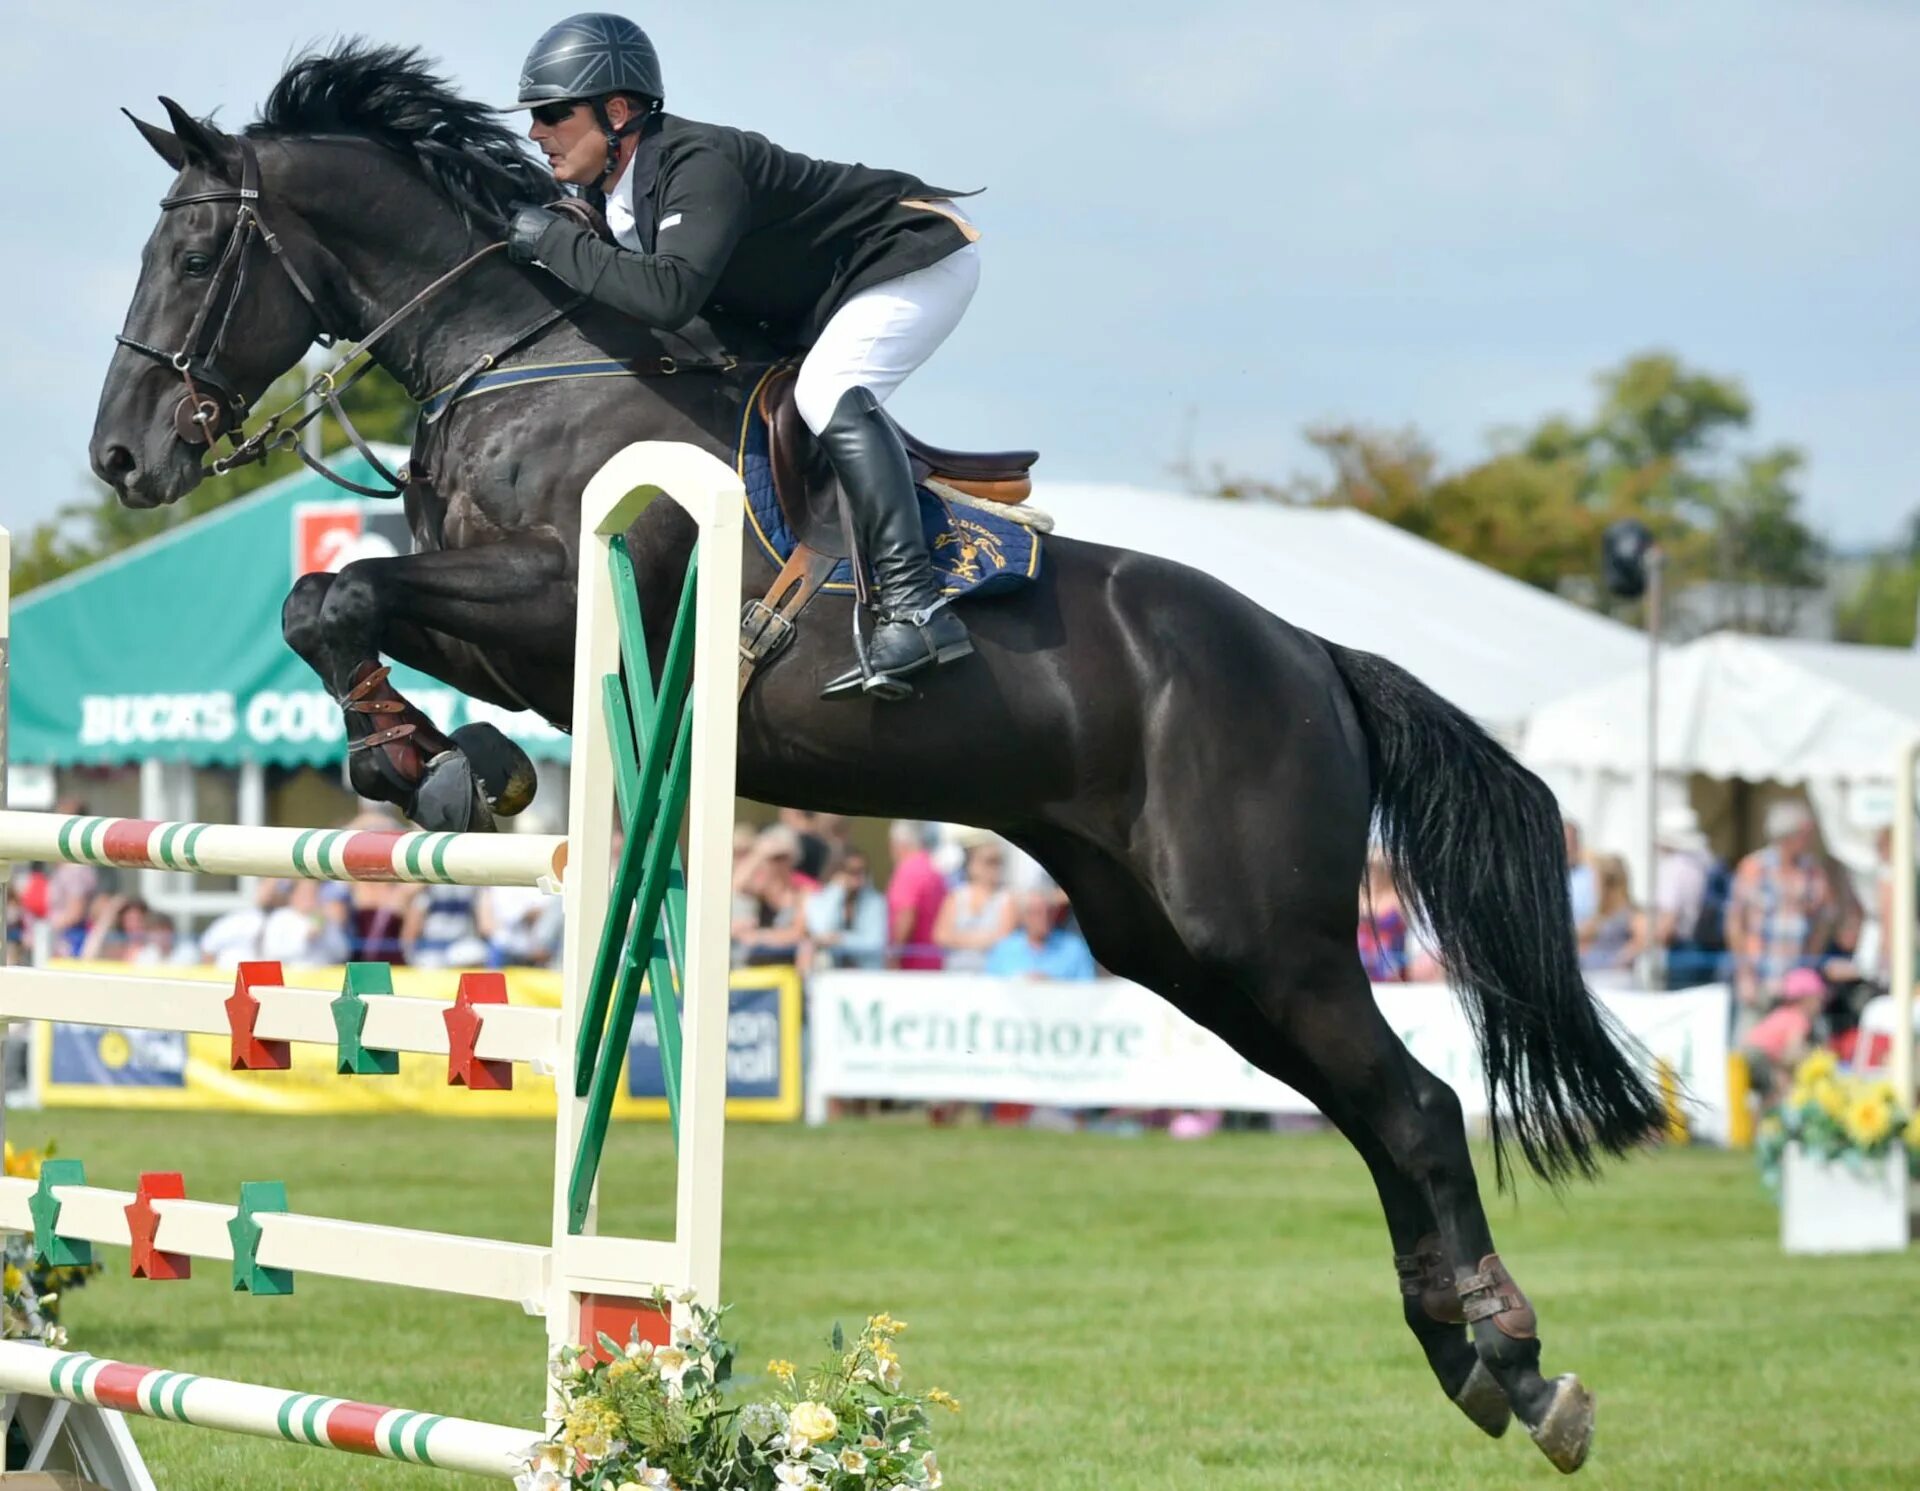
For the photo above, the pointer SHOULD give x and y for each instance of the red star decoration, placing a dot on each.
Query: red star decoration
(250, 1053)
(464, 1069)
(150, 1262)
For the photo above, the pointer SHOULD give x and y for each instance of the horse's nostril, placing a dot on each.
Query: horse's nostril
(118, 461)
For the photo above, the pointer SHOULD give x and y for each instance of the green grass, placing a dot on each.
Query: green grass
(1114, 1313)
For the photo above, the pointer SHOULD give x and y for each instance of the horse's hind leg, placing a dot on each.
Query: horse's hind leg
(1132, 937)
(1330, 1026)
(1430, 1301)
(498, 599)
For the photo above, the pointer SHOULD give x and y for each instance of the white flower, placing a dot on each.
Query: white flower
(671, 1363)
(637, 1351)
(654, 1477)
(872, 1442)
(853, 1462)
(792, 1477)
(890, 1374)
(932, 1467)
(546, 1469)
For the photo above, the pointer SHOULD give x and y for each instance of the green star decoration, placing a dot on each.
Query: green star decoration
(56, 1251)
(350, 1019)
(249, 1276)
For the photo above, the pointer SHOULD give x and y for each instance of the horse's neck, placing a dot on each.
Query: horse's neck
(393, 235)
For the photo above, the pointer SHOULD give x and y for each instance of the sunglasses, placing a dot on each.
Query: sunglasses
(552, 114)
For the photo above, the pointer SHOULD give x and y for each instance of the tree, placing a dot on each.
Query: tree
(90, 529)
(1882, 607)
(1654, 448)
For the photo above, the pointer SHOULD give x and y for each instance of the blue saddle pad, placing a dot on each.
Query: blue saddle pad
(974, 552)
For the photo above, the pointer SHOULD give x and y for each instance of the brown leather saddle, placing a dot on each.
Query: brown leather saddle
(809, 496)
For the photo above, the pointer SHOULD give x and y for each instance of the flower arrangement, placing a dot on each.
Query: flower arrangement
(658, 1418)
(33, 1290)
(1837, 1118)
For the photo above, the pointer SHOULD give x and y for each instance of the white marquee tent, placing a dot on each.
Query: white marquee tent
(1825, 718)
(1498, 648)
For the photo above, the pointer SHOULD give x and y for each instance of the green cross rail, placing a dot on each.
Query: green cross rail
(651, 736)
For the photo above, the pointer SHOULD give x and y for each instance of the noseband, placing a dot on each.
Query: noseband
(211, 406)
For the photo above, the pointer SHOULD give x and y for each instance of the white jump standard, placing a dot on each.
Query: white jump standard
(583, 1283)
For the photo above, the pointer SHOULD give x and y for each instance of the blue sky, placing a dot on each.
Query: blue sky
(1444, 214)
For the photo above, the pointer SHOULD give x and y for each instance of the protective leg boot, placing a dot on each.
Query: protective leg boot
(916, 628)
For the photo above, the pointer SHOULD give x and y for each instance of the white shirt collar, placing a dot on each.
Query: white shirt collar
(620, 216)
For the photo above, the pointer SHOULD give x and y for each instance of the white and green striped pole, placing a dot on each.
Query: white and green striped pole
(495, 1450)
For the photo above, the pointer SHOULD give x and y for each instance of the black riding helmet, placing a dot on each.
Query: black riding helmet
(582, 60)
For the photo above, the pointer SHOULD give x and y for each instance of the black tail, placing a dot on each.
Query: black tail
(1479, 859)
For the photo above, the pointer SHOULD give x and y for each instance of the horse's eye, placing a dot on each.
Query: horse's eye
(195, 264)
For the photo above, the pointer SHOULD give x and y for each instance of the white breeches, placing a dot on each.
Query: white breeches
(883, 333)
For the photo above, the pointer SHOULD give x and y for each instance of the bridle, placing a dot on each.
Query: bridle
(211, 407)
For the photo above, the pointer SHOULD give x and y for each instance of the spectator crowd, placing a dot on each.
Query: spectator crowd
(1783, 926)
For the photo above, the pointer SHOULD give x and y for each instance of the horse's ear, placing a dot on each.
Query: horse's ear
(200, 143)
(165, 145)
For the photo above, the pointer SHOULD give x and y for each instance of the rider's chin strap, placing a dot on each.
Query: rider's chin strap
(615, 133)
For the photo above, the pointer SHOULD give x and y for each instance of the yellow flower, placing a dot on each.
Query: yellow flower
(884, 1324)
(782, 1369)
(1818, 1064)
(1911, 1136)
(14, 1279)
(811, 1421)
(621, 1367)
(590, 1428)
(1869, 1120)
(944, 1398)
(1831, 1097)
(24, 1163)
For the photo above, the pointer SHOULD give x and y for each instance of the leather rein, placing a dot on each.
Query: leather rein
(210, 407)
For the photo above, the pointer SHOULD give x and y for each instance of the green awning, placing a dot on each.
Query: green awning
(172, 651)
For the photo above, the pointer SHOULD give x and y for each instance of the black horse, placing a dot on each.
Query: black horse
(1198, 775)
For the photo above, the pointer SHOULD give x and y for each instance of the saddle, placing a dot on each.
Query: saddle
(807, 488)
(809, 498)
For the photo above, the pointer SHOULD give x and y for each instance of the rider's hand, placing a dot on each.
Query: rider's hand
(525, 228)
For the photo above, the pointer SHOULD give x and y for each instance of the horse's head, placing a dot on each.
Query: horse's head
(216, 316)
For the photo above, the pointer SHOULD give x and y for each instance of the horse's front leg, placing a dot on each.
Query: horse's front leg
(506, 601)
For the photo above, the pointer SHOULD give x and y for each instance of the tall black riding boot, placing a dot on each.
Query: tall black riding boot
(916, 628)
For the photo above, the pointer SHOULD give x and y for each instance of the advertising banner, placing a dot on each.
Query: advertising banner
(1112, 1044)
(85, 1066)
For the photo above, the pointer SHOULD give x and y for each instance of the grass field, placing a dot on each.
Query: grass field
(1114, 1313)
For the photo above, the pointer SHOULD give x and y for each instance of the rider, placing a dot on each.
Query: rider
(867, 270)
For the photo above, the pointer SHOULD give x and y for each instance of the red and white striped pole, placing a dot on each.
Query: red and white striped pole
(291, 853)
(495, 1450)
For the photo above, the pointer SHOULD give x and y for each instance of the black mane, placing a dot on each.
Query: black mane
(391, 95)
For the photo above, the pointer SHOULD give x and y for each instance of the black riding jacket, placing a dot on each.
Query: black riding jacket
(734, 225)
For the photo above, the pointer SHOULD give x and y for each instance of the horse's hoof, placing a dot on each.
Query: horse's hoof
(1565, 1433)
(504, 772)
(449, 799)
(1484, 1401)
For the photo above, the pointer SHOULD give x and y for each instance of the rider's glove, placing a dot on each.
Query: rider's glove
(525, 228)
